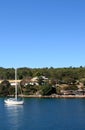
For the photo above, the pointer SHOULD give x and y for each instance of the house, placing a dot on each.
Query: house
(13, 82)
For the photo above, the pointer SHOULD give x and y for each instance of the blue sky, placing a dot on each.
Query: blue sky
(42, 33)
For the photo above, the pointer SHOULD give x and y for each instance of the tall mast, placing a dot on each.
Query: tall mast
(16, 83)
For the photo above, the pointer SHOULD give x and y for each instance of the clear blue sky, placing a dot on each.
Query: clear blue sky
(42, 33)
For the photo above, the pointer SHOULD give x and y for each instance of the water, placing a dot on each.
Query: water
(43, 114)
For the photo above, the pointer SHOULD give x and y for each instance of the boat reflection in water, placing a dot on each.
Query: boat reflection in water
(14, 114)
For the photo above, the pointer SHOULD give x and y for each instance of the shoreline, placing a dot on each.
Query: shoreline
(54, 96)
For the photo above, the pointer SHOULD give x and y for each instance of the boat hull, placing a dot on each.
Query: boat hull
(13, 102)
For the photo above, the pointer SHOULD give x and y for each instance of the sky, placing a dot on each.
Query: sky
(42, 33)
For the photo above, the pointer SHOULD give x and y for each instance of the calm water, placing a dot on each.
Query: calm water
(43, 114)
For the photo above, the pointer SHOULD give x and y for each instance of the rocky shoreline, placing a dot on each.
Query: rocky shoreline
(54, 96)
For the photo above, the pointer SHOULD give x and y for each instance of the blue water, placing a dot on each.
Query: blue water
(43, 114)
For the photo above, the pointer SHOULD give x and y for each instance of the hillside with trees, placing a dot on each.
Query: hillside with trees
(49, 81)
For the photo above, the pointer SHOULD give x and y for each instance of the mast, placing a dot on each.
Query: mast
(16, 83)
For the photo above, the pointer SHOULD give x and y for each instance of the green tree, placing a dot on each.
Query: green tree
(48, 90)
(4, 88)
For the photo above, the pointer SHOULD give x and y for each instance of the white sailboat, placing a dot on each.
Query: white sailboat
(15, 100)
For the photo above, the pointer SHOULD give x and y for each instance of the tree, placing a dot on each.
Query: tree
(4, 88)
(48, 90)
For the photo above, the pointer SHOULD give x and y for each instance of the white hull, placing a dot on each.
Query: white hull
(14, 102)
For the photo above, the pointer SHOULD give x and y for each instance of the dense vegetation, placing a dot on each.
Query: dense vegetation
(70, 76)
(55, 73)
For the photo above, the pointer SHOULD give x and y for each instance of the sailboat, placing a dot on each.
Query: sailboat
(15, 100)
